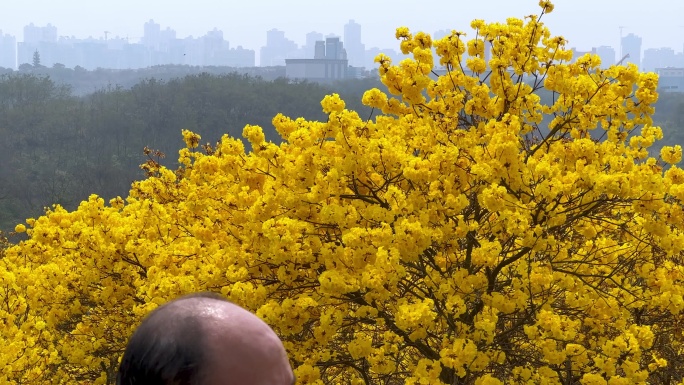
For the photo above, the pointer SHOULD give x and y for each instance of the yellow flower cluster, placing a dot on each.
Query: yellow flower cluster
(496, 222)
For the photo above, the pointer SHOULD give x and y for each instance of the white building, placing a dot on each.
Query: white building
(329, 63)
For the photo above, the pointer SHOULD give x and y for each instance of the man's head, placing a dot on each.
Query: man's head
(203, 339)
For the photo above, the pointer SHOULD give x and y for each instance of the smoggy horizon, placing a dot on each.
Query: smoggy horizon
(246, 23)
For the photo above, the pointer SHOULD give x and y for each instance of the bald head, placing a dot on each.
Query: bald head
(204, 340)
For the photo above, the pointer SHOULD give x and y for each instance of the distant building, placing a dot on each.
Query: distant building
(41, 39)
(239, 57)
(277, 49)
(94, 54)
(670, 79)
(607, 55)
(69, 52)
(214, 47)
(217, 52)
(352, 40)
(660, 58)
(310, 47)
(317, 70)
(151, 33)
(34, 34)
(334, 48)
(134, 56)
(157, 46)
(160, 44)
(319, 52)
(8, 51)
(329, 63)
(631, 45)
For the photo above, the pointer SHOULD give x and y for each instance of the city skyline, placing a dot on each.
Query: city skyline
(584, 23)
(159, 46)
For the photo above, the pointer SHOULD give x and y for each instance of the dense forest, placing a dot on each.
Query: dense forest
(83, 82)
(58, 147)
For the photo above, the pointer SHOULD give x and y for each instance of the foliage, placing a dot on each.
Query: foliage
(451, 238)
(36, 59)
(59, 148)
(670, 116)
(4, 244)
(84, 82)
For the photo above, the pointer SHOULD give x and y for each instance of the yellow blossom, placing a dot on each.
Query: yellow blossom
(473, 231)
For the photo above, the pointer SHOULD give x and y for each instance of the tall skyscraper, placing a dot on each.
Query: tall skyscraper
(334, 49)
(275, 38)
(310, 48)
(631, 45)
(353, 45)
(277, 49)
(8, 51)
(152, 34)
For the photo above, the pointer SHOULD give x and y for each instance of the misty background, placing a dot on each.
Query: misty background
(585, 23)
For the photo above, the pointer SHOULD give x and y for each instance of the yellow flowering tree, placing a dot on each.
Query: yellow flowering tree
(4, 244)
(471, 232)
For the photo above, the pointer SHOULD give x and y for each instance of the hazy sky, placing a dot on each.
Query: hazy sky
(585, 23)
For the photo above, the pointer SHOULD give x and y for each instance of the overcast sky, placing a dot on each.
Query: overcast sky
(586, 23)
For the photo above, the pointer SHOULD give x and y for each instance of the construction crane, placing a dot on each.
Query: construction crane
(621, 28)
(621, 60)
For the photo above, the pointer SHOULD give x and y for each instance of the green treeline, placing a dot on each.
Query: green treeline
(83, 82)
(59, 147)
(56, 147)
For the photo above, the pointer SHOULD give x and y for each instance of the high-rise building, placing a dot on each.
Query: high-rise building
(39, 39)
(329, 63)
(311, 40)
(353, 45)
(217, 52)
(277, 49)
(631, 45)
(607, 55)
(334, 48)
(166, 38)
(34, 34)
(8, 51)
(319, 52)
(162, 45)
(151, 34)
(660, 58)
(214, 44)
